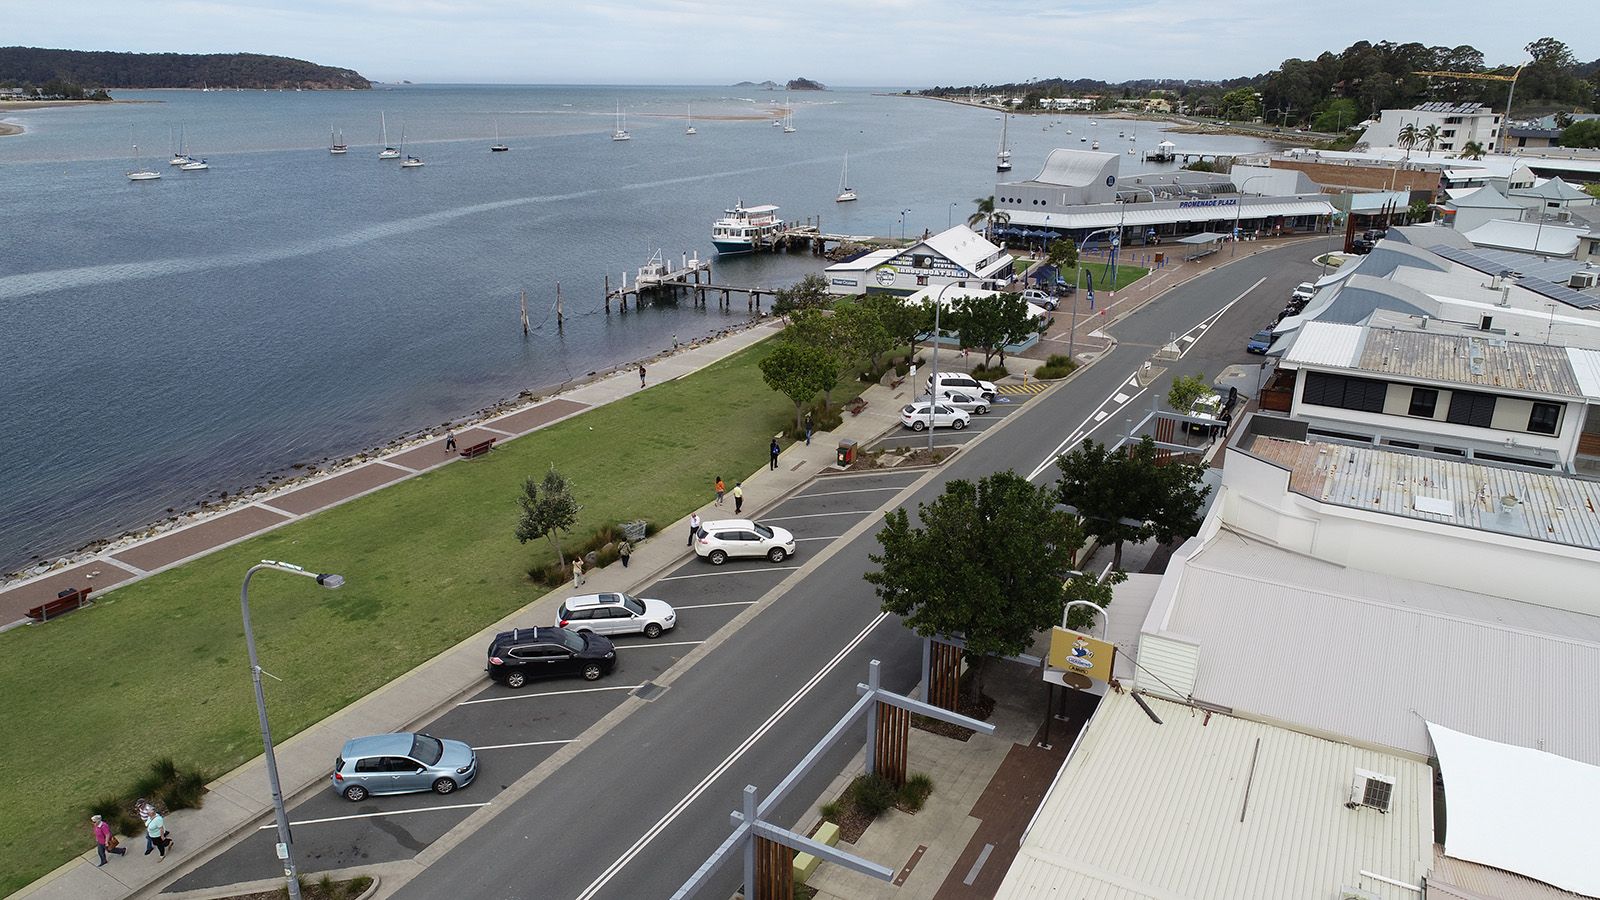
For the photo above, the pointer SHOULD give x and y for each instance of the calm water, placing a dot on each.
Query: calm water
(164, 341)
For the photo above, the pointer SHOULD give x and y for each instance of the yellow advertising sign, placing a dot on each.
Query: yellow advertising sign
(1081, 653)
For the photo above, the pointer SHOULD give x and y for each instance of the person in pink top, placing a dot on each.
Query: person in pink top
(103, 840)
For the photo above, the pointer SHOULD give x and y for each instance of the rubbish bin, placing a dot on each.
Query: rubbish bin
(847, 452)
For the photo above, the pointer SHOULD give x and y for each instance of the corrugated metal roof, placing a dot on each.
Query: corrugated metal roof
(1073, 168)
(1152, 811)
(1326, 344)
(1553, 189)
(1141, 214)
(967, 249)
(1457, 879)
(1585, 370)
(1529, 237)
(1548, 507)
(1370, 656)
(1485, 197)
(1483, 361)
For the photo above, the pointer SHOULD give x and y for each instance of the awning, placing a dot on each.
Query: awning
(1142, 215)
(1204, 237)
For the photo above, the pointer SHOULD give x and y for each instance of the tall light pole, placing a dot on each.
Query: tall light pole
(950, 215)
(903, 223)
(285, 843)
(1239, 207)
(1072, 331)
(933, 378)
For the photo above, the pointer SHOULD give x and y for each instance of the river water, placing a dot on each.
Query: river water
(166, 341)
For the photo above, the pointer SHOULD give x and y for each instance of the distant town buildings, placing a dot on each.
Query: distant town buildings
(1459, 124)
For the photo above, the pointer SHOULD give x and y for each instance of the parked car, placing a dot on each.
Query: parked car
(916, 417)
(716, 542)
(1040, 298)
(402, 763)
(1303, 292)
(1260, 342)
(1361, 246)
(616, 614)
(523, 654)
(965, 383)
(972, 403)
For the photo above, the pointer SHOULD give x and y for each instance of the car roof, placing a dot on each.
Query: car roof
(396, 744)
(526, 635)
(591, 600)
(728, 523)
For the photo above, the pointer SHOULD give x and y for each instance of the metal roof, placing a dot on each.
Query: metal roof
(1326, 344)
(1532, 237)
(1538, 274)
(968, 249)
(1073, 168)
(1139, 214)
(1485, 197)
(1371, 656)
(1457, 879)
(1208, 806)
(1554, 189)
(1556, 508)
(1486, 361)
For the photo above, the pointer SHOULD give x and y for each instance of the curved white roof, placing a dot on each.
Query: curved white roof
(1074, 168)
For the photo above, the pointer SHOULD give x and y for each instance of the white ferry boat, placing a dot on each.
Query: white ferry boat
(740, 227)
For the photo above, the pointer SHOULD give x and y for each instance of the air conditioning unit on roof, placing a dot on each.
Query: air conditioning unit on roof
(1583, 279)
(1371, 789)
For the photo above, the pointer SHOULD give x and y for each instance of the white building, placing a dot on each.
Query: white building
(1459, 124)
(958, 256)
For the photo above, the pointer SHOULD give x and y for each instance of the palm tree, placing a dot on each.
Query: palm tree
(1407, 137)
(988, 216)
(1430, 138)
(1472, 150)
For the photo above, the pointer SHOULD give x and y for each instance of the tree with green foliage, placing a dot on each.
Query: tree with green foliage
(1084, 586)
(1418, 211)
(988, 324)
(1336, 115)
(798, 371)
(548, 509)
(1472, 150)
(859, 333)
(905, 322)
(819, 331)
(1429, 137)
(810, 292)
(1128, 495)
(1241, 103)
(1407, 137)
(1582, 134)
(1063, 254)
(1185, 390)
(986, 565)
(987, 215)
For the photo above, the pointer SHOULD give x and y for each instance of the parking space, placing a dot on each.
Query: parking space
(1004, 405)
(515, 730)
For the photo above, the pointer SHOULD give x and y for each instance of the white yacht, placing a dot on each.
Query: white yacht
(1002, 157)
(410, 162)
(180, 155)
(846, 192)
(139, 172)
(336, 144)
(621, 134)
(387, 152)
(690, 129)
(194, 165)
(739, 228)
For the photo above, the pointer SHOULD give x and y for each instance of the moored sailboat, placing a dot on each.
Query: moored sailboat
(387, 152)
(846, 192)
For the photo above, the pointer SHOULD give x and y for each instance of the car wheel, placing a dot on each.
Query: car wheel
(776, 554)
(982, 409)
(444, 786)
(591, 672)
(516, 679)
(918, 425)
(959, 424)
(717, 557)
(652, 631)
(355, 793)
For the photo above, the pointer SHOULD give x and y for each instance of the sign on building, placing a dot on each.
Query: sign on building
(1072, 651)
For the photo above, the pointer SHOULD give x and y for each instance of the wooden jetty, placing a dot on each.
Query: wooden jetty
(691, 276)
(1184, 156)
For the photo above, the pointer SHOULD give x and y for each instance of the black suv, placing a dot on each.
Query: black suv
(522, 654)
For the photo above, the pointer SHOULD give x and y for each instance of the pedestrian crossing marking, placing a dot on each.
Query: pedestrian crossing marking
(1032, 387)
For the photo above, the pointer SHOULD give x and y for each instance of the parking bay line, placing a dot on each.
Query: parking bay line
(829, 537)
(523, 744)
(660, 644)
(848, 512)
(710, 605)
(394, 812)
(620, 687)
(838, 493)
(730, 572)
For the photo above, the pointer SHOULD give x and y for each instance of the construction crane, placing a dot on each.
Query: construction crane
(1486, 76)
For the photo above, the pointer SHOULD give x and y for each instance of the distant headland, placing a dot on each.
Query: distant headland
(797, 84)
(36, 66)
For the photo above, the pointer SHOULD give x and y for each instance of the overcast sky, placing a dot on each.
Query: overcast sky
(867, 42)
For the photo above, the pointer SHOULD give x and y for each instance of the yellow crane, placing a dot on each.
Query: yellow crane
(1486, 76)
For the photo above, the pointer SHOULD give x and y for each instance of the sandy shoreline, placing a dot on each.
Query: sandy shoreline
(6, 128)
(6, 106)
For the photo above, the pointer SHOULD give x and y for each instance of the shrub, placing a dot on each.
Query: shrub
(990, 373)
(916, 791)
(1057, 366)
(358, 885)
(165, 785)
(874, 795)
(831, 810)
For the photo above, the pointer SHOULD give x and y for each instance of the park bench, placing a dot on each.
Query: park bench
(65, 601)
(856, 406)
(478, 449)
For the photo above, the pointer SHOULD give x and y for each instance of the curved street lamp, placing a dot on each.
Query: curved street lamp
(285, 843)
(1072, 332)
(1233, 250)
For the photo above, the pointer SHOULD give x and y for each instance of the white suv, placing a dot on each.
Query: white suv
(956, 381)
(915, 416)
(1304, 292)
(616, 614)
(717, 541)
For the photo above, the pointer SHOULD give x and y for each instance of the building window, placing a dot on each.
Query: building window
(1544, 418)
(1449, 132)
(1471, 408)
(1423, 402)
(1344, 392)
(922, 279)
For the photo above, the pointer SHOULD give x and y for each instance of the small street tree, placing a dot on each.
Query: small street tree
(986, 565)
(1128, 496)
(1186, 389)
(859, 333)
(1063, 254)
(990, 323)
(548, 509)
(798, 371)
(810, 292)
(905, 322)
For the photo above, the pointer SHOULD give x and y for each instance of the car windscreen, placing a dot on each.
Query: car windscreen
(425, 749)
(764, 531)
(571, 640)
(633, 604)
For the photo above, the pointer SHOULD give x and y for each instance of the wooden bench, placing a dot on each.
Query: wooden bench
(65, 602)
(856, 406)
(478, 449)
(805, 865)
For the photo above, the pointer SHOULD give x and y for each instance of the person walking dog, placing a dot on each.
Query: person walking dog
(104, 840)
(738, 497)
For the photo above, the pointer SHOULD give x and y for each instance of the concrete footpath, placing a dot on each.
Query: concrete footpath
(240, 800)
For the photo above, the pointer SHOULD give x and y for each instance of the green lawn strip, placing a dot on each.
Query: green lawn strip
(158, 668)
(1126, 275)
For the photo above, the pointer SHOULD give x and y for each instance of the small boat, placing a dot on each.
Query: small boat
(387, 152)
(1093, 123)
(1095, 146)
(788, 120)
(410, 162)
(690, 129)
(336, 144)
(739, 228)
(1002, 157)
(139, 172)
(180, 155)
(846, 192)
(497, 147)
(621, 134)
(194, 165)
(1130, 151)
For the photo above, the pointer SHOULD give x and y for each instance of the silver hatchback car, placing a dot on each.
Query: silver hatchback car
(402, 763)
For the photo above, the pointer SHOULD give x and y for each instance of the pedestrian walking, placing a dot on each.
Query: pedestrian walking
(156, 836)
(641, 375)
(721, 489)
(694, 527)
(674, 340)
(449, 441)
(775, 451)
(624, 550)
(104, 840)
(577, 572)
(808, 428)
(738, 497)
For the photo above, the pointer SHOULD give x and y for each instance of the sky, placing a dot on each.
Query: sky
(898, 43)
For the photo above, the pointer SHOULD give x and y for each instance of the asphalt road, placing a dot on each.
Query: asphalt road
(636, 812)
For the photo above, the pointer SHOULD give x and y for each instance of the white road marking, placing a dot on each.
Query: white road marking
(837, 493)
(848, 512)
(711, 605)
(396, 812)
(977, 866)
(730, 572)
(524, 744)
(831, 537)
(660, 644)
(722, 767)
(1101, 416)
(1120, 398)
(620, 687)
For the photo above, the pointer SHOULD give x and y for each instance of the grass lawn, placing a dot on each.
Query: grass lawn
(158, 668)
(1100, 271)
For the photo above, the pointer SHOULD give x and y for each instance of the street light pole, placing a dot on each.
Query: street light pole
(903, 223)
(1072, 331)
(1239, 207)
(933, 377)
(949, 215)
(285, 843)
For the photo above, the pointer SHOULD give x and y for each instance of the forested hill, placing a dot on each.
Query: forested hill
(24, 66)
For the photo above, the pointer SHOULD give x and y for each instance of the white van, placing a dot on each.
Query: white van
(957, 381)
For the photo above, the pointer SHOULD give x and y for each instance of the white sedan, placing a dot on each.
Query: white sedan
(916, 416)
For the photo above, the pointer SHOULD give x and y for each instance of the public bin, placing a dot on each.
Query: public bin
(1160, 258)
(847, 452)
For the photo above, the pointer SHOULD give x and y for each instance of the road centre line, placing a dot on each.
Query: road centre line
(655, 830)
(660, 644)
(711, 605)
(837, 493)
(830, 537)
(523, 744)
(620, 687)
(848, 512)
(729, 572)
(396, 812)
